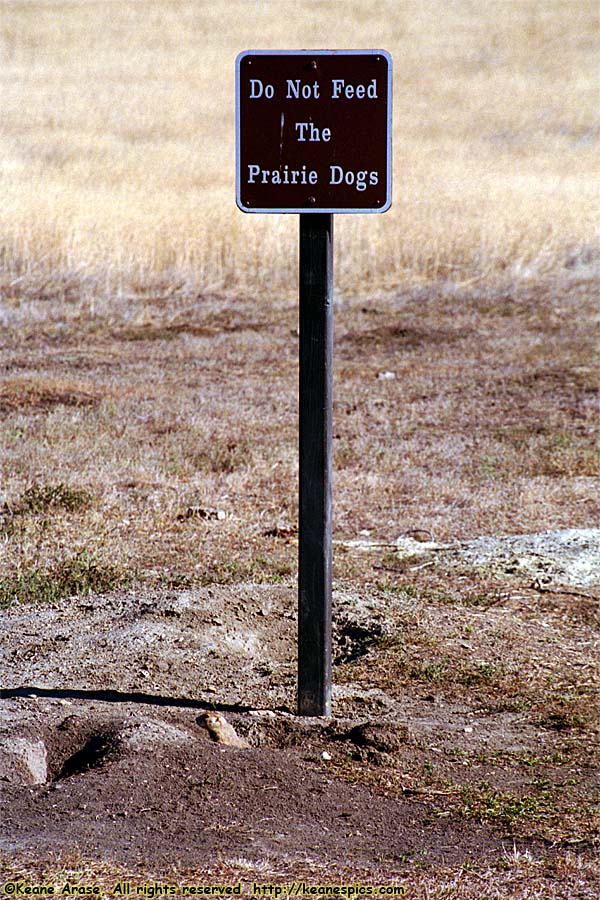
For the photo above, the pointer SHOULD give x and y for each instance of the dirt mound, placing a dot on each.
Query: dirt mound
(101, 748)
(137, 803)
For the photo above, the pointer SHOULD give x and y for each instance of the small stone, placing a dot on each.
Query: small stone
(23, 760)
(468, 729)
(203, 512)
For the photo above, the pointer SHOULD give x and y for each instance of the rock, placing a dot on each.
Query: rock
(23, 760)
(262, 714)
(203, 512)
(281, 531)
(146, 733)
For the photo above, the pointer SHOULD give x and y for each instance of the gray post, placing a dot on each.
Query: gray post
(316, 396)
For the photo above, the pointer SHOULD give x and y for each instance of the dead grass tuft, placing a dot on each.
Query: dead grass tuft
(24, 394)
(38, 499)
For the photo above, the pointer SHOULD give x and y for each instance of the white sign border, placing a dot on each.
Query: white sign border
(312, 209)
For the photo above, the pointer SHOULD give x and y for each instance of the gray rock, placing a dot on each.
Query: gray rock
(23, 760)
(146, 733)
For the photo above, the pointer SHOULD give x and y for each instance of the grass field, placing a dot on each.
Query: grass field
(117, 144)
(149, 346)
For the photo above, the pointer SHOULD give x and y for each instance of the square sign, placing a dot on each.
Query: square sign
(314, 131)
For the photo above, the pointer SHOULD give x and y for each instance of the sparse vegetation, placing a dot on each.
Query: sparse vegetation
(38, 499)
(484, 803)
(77, 574)
(149, 351)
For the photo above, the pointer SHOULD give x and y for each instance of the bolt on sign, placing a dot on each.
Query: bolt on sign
(314, 131)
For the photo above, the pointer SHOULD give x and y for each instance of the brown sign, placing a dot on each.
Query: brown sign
(314, 131)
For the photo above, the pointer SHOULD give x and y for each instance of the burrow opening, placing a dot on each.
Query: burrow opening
(92, 755)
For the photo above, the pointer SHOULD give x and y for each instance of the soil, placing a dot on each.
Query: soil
(101, 749)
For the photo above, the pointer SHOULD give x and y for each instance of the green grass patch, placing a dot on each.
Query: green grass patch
(484, 803)
(439, 597)
(448, 671)
(259, 570)
(42, 498)
(81, 573)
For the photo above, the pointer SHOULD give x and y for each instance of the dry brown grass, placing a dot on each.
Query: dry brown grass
(149, 330)
(24, 394)
(489, 425)
(519, 876)
(117, 145)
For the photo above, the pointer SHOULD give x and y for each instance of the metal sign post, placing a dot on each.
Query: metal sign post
(314, 138)
(316, 406)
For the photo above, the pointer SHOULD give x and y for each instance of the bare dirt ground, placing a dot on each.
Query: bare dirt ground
(148, 575)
